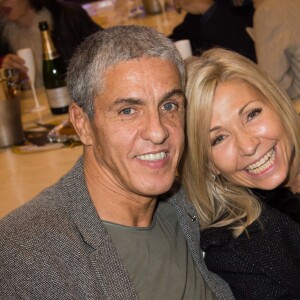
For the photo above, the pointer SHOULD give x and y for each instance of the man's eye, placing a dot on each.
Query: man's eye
(126, 111)
(169, 106)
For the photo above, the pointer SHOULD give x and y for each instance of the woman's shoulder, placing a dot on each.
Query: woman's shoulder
(283, 200)
(280, 213)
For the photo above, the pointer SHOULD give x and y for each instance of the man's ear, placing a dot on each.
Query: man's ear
(81, 124)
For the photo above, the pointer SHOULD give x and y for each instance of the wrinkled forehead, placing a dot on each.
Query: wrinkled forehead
(142, 67)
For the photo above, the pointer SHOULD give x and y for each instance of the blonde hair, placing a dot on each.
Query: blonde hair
(218, 202)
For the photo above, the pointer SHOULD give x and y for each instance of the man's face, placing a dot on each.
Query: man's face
(138, 127)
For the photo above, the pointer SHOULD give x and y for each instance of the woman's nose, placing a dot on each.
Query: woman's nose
(247, 144)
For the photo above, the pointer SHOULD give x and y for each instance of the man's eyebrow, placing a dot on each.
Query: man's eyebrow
(126, 101)
(175, 92)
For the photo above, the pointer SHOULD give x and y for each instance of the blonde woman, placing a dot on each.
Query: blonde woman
(242, 175)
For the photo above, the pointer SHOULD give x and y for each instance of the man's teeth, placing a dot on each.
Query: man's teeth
(152, 156)
(262, 164)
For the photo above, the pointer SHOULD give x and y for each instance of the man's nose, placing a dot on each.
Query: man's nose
(154, 128)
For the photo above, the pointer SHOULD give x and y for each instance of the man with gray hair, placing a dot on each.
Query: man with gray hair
(103, 231)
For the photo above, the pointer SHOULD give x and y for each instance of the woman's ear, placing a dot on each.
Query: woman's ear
(81, 124)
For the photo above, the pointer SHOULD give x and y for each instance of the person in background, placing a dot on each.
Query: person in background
(103, 231)
(19, 28)
(242, 174)
(276, 31)
(210, 23)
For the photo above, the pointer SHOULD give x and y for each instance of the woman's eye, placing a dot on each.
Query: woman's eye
(169, 106)
(254, 113)
(218, 139)
(127, 111)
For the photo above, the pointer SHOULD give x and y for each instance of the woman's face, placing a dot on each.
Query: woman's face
(14, 10)
(250, 146)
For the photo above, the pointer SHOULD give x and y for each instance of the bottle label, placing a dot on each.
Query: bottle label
(58, 97)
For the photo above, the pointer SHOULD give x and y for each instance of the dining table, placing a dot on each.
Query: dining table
(109, 13)
(27, 169)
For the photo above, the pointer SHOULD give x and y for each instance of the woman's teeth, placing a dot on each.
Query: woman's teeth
(262, 164)
(152, 156)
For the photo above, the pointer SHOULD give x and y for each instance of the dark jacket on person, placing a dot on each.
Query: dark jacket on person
(71, 25)
(220, 26)
(263, 263)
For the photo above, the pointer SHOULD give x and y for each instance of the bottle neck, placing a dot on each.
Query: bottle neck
(49, 50)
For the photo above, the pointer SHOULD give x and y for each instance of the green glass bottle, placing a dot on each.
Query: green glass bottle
(53, 74)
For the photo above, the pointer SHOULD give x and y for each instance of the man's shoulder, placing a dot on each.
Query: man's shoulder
(48, 209)
(37, 232)
(34, 215)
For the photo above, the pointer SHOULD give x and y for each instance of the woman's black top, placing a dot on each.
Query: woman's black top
(263, 263)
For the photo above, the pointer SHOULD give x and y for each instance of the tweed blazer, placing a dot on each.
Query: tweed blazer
(56, 247)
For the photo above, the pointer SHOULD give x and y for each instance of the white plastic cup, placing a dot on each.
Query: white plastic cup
(27, 55)
(184, 47)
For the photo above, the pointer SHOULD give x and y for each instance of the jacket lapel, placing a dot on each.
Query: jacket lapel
(114, 280)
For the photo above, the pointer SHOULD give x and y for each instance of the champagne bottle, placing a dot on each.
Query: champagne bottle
(53, 74)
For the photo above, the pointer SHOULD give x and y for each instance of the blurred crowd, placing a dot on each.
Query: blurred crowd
(260, 30)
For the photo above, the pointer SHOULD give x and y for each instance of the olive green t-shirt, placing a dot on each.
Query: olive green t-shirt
(158, 259)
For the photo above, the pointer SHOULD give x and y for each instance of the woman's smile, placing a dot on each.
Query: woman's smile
(263, 164)
(250, 146)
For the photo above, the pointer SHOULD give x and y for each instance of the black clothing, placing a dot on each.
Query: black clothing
(265, 264)
(282, 199)
(71, 25)
(220, 26)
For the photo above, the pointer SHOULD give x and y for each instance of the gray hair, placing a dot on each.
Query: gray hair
(108, 47)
